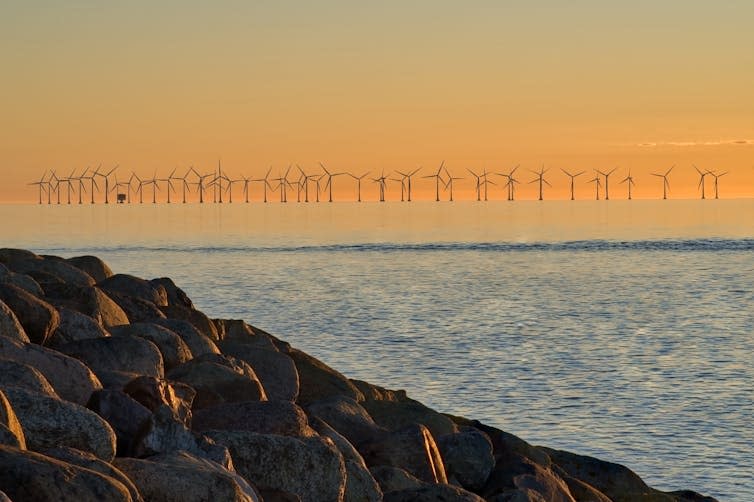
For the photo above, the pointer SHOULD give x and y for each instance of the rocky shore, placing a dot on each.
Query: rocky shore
(115, 388)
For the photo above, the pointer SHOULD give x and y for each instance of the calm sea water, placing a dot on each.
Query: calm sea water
(620, 330)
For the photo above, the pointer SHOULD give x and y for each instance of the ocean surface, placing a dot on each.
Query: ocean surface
(622, 330)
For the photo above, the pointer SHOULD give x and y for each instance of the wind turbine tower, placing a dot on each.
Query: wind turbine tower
(630, 180)
(665, 183)
(573, 177)
(541, 179)
(607, 181)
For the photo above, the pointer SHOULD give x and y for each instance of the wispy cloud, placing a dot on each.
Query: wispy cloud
(729, 142)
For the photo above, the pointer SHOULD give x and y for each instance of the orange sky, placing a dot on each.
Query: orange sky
(589, 85)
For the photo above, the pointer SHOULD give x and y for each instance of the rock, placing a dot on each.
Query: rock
(278, 496)
(235, 330)
(10, 326)
(25, 475)
(318, 381)
(412, 449)
(118, 353)
(394, 478)
(136, 309)
(264, 417)
(360, 485)
(518, 476)
(175, 295)
(38, 318)
(197, 342)
(4, 273)
(581, 491)
(347, 417)
(89, 461)
(75, 326)
(11, 432)
(198, 319)
(48, 422)
(56, 268)
(27, 283)
(126, 416)
(185, 477)
(13, 374)
(275, 370)
(312, 468)
(468, 457)
(88, 300)
(153, 392)
(71, 379)
(433, 493)
(96, 268)
(343, 445)
(128, 285)
(10, 255)
(219, 379)
(505, 444)
(116, 380)
(173, 349)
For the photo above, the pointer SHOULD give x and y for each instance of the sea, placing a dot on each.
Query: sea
(622, 330)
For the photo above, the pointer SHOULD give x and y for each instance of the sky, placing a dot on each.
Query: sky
(358, 86)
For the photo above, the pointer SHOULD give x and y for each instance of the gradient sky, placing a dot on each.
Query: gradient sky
(390, 85)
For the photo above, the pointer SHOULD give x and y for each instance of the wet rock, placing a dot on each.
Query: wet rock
(412, 449)
(25, 475)
(185, 477)
(10, 326)
(433, 493)
(517, 476)
(173, 349)
(219, 379)
(89, 461)
(11, 432)
(276, 371)
(38, 318)
(48, 422)
(154, 392)
(56, 268)
(128, 285)
(394, 478)
(239, 331)
(75, 326)
(311, 468)
(14, 374)
(468, 457)
(264, 417)
(118, 353)
(126, 416)
(197, 342)
(96, 268)
(318, 381)
(347, 417)
(71, 379)
(175, 295)
(360, 485)
(198, 319)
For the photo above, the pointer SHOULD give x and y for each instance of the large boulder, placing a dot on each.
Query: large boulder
(118, 353)
(172, 347)
(435, 493)
(53, 267)
(185, 477)
(25, 475)
(15, 374)
(10, 326)
(126, 416)
(412, 449)
(276, 371)
(345, 447)
(219, 379)
(11, 432)
(265, 417)
(75, 326)
(48, 422)
(38, 318)
(25, 282)
(197, 318)
(517, 477)
(468, 457)
(318, 381)
(311, 468)
(71, 379)
(89, 461)
(96, 268)
(10, 255)
(89, 300)
(154, 392)
(394, 478)
(347, 417)
(360, 485)
(236, 330)
(175, 295)
(505, 444)
(135, 309)
(135, 287)
(195, 340)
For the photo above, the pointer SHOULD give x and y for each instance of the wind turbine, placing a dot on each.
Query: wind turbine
(169, 182)
(486, 182)
(408, 176)
(118, 184)
(381, 181)
(282, 185)
(265, 183)
(217, 184)
(702, 174)
(69, 184)
(139, 188)
(49, 186)
(449, 183)
(541, 179)
(629, 179)
(82, 188)
(246, 188)
(598, 184)
(153, 182)
(438, 178)
(40, 184)
(57, 184)
(230, 189)
(402, 181)
(330, 176)
(184, 184)
(200, 183)
(306, 178)
(107, 181)
(607, 181)
(509, 184)
(478, 184)
(716, 176)
(573, 177)
(665, 183)
(92, 180)
(358, 184)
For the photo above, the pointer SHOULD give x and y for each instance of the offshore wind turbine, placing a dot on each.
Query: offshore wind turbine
(541, 179)
(509, 184)
(41, 183)
(478, 184)
(449, 183)
(265, 183)
(716, 176)
(184, 184)
(381, 181)
(92, 180)
(402, 181)
(438, 178)
(153, 182)
(702, 174)
(169, 182)
(57, 184)
(607, 181)
(307, 178)
(573, 177)
(598, 184)
(358, 184)
(82, 188)
(408, 176)
(107, 181)
(630, 180)
(665, 183)
(119, 184)
(485, 183)
(330, 176)
(199, 183)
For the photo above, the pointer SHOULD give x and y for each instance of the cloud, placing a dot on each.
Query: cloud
(734, 142)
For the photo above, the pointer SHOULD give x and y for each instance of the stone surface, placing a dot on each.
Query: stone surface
(14, 374)
(198, 319)
(135, 287)
(96, 268)
(318, 381)
(75, 326)
(468, 457)
(12, 434)
(434, 493)
(275, 370)
(172, 347)
(236, 330)
(27, 283)
(25, 475)
(9, 255)
(135, 309)
(360, 485)
(38, 318)
(175, 295)
(517, 476)
(181, 476)
(55, 267)
(265, 417)
(394, 478)
(505, 444)
(154, 392)
(311, 468)
(343, 445)
(48, 422)
(10, 326)
(347, 417)
(88, 300)
(196, 341)
(71, 379)
(118, 353)
(126, 416)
